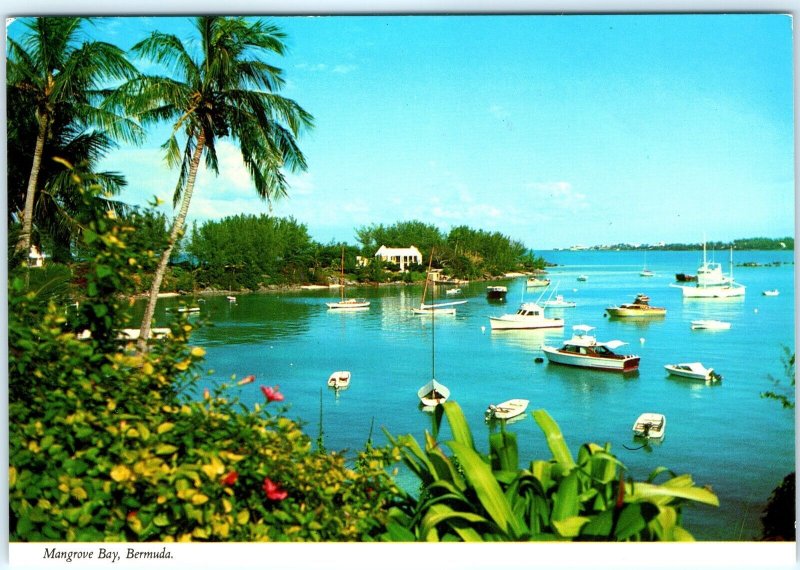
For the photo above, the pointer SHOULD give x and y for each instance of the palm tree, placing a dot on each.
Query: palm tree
(61, 77)
(224, 89)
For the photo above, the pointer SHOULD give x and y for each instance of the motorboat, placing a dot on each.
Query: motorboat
(339, 379)
(507, 410)
(693, 370)
(650, 425)
(639, 308)
(536, 282)
(352, 304)
(454, 291)
(433, 393)
(771, 293)
(583, 277)
(558, 303)
(584, 351)
(646, 273)
(496, 292)
(710, 324)
(231, 298)
(711, 282)
(528, 316)
(188, 309)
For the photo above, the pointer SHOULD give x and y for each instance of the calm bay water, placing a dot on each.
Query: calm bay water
(724, 435)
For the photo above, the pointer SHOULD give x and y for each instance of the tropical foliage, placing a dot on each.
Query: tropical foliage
(223, 89)
(470, 496)
(109, 444)
(56, 86)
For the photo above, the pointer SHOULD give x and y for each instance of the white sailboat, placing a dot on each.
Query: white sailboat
(646, 272)
(711, 282)
(433, 393)
(446, 308)
(347, 304)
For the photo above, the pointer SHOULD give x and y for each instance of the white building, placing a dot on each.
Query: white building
(403, 256)
(35, 257)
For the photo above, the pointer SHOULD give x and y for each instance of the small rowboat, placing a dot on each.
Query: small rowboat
(433, 393)
(507, 410)
(650, 426)
(339, 379)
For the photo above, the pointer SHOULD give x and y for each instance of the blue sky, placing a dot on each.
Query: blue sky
(554, 130)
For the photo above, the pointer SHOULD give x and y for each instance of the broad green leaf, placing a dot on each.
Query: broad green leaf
(599, 525)
(630, 522)
(565, 501)
(555, 439)
(644, 491)
(438, 514)
(680, 534)
(399, 533)
(458, 424)
(570, 527)
(503, 446)
(489, 493)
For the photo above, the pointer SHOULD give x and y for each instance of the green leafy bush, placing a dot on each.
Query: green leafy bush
(471, 497)
(109, 444)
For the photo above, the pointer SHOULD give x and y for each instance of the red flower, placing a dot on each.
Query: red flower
(230, 478)
(246, 380)
(274, 491)
(132, 515)
(272, 394)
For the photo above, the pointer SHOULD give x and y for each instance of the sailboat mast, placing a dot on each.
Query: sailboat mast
(341, 279)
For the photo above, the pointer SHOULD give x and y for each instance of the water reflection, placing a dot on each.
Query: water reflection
(527, 339)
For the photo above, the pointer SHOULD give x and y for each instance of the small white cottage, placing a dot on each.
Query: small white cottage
(403, 256)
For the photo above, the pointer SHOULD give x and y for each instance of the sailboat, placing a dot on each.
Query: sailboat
(347, 304)
(711, 282)
(433, 393)
(646, 272)
(446, 308)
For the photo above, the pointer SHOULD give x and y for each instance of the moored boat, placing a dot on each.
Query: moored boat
(445, 308)
(771, 293)
(639, 308)
(339, 379)
(528, 316)
(433, 393)
(710, 324)
(507, 410)
(584, 351)
(712, 283)
(536, 282)
(693, 370)
(496, 292)
(583, 277)
(650, 425)
(352, 304)
(558, 303)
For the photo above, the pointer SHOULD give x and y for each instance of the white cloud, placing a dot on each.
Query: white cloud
(559, 194)
(344, 68)
(300, 184)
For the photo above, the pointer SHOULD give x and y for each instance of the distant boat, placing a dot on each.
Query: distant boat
(339, 379)
(455, 291)
(650, 426)
(446, 308)
(536, 282)
(558, 303)
(711, 282)
(683, 277)
(528, 316)
(639, 308)
(347, 304)
(507, 410)
(188, 309)
(583, 277)
(584, 351)
(693, 370)
(646, 272)
(496, 293)
(771, 293)
(231, 298)
(710, 324)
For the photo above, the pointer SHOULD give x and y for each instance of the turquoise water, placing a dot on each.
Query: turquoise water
(724, 435)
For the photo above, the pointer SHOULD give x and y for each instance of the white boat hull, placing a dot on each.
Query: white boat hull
(434, 310)
(712, 292)
(711, 325)
(339, 379)
(507, 410)
(349, 304)
(693, 370)
(650, 425)
(507, 322)
(433, 393)
(625, 364)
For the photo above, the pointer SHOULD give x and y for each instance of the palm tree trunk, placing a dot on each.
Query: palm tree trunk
(24, 243)
(177, 228)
